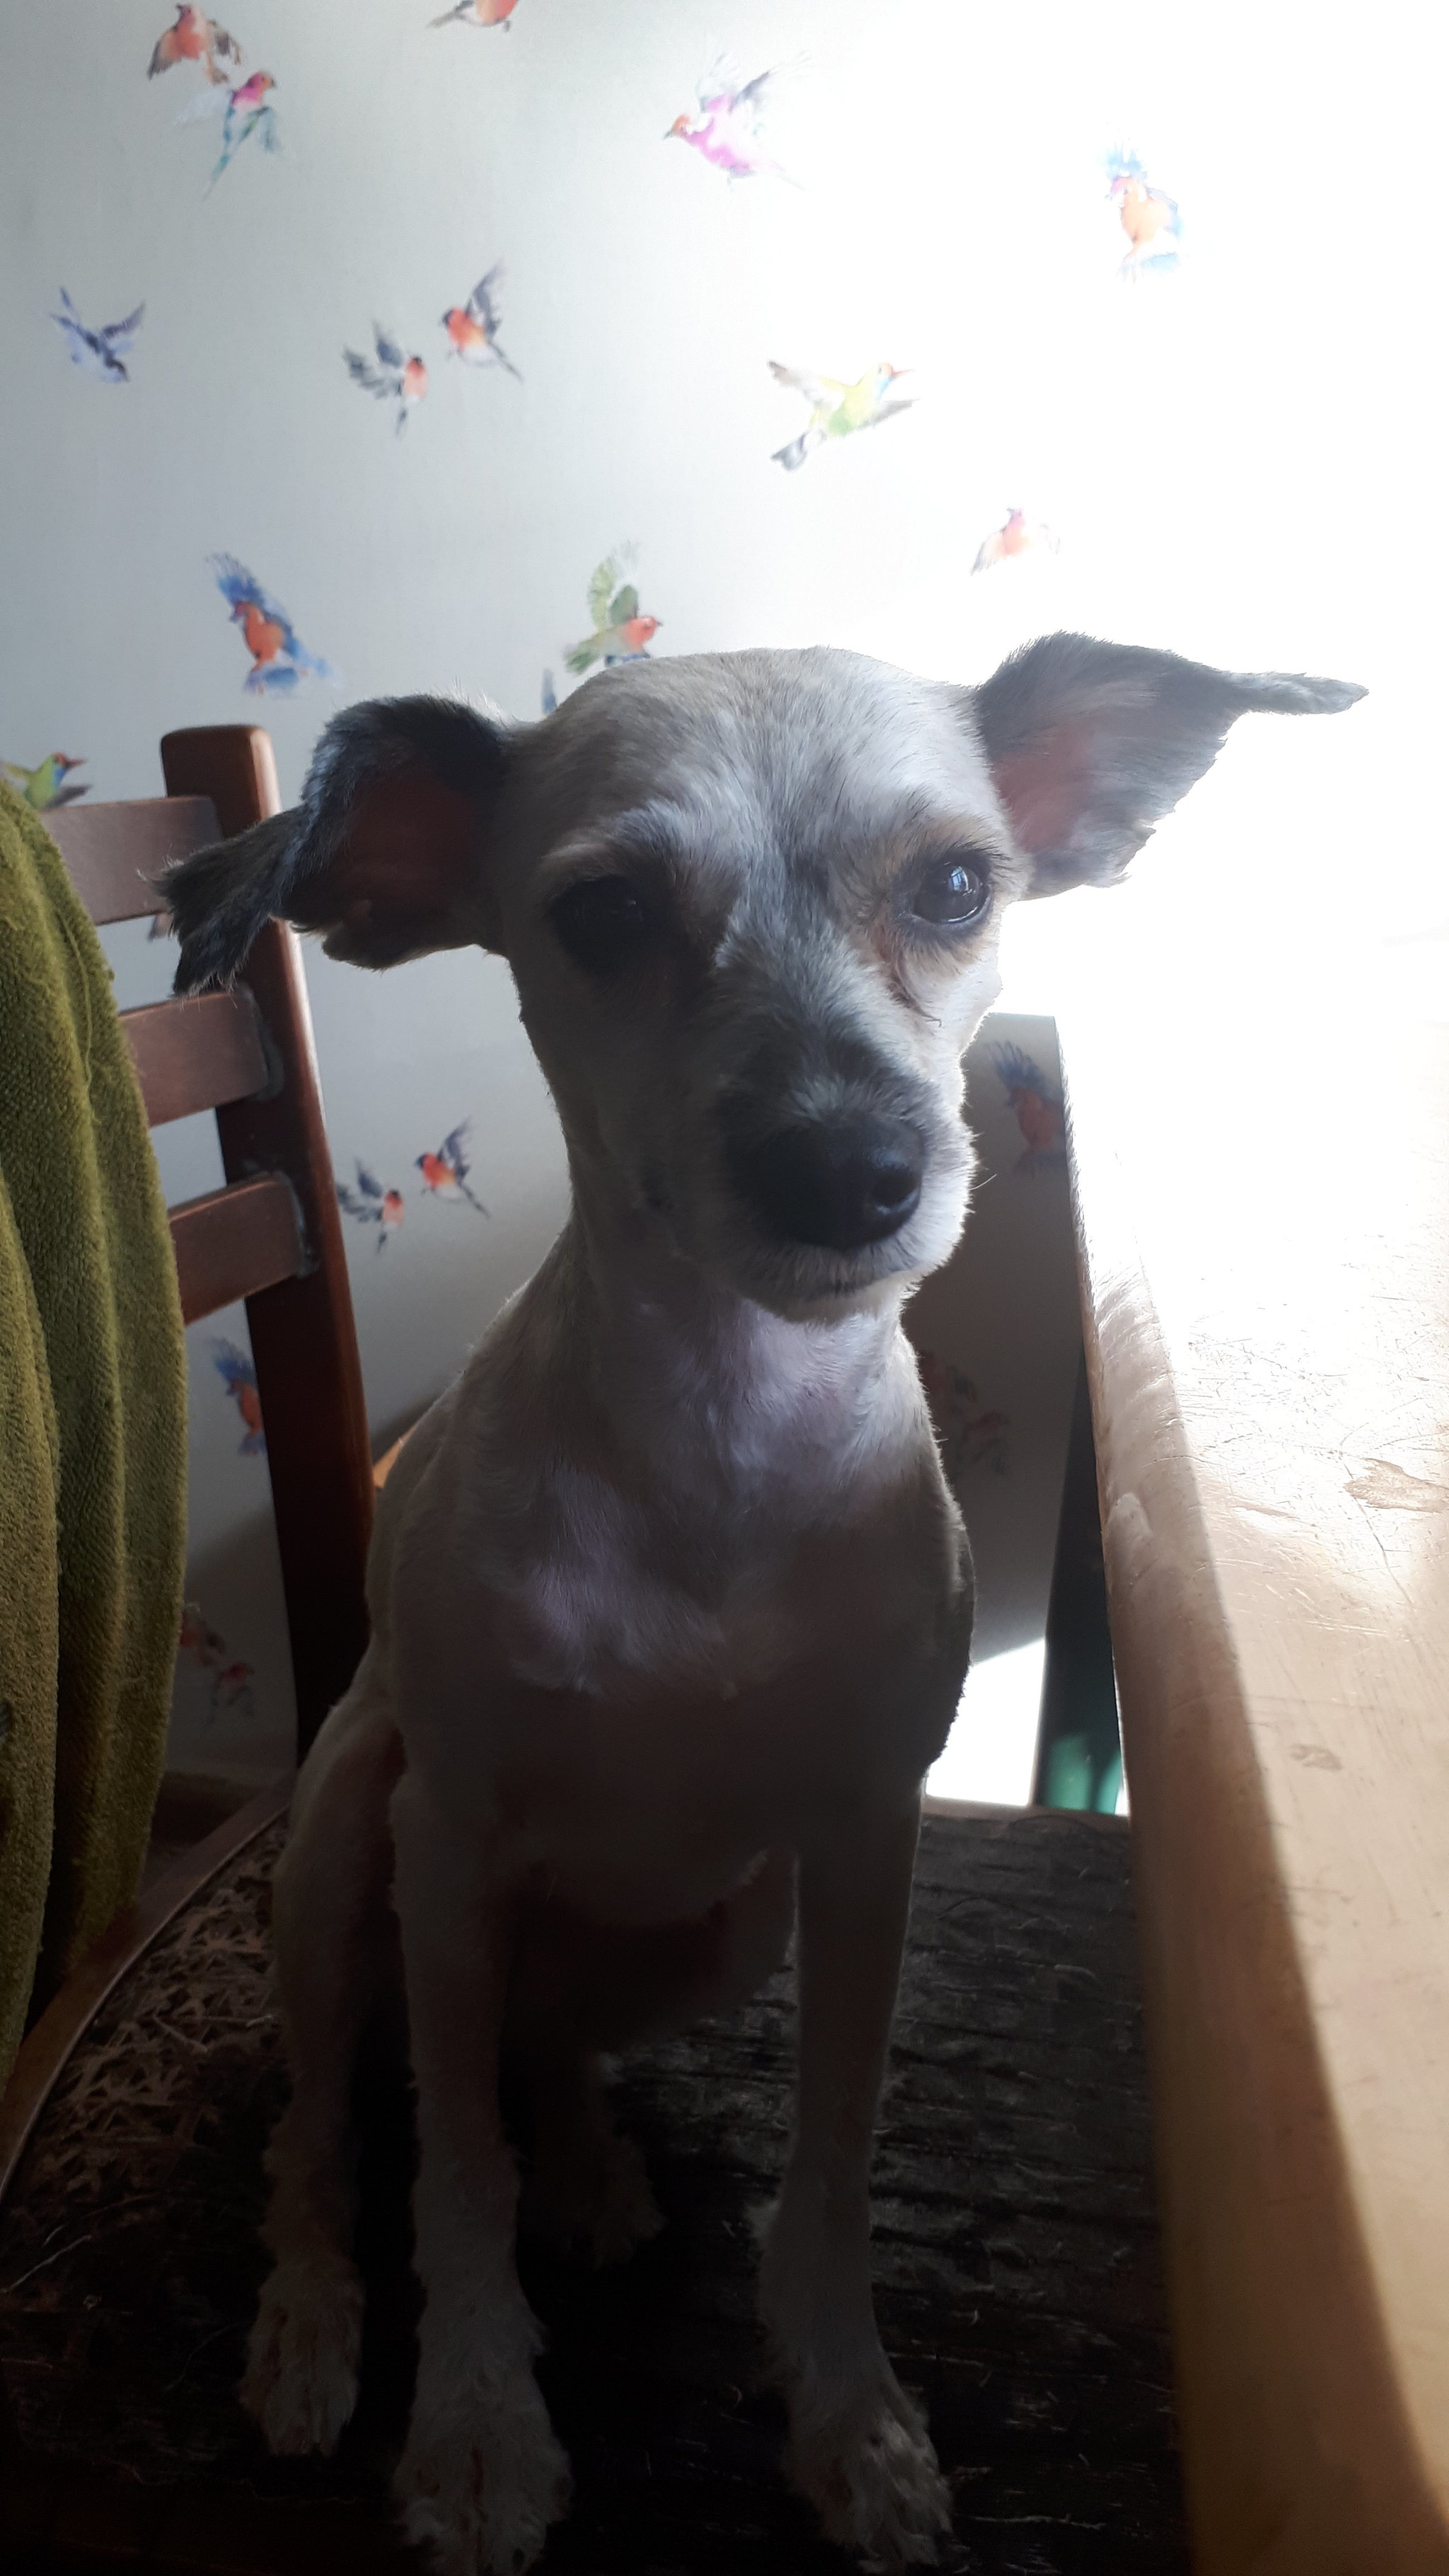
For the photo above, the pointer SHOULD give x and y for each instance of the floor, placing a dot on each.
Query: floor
(1015, 2252)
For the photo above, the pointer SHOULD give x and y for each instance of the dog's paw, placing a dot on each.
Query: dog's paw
(302, 2359)
(592, 2196)
(479, 2484)
(868, 2466)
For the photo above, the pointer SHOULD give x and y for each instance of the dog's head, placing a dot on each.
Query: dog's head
(751, 902)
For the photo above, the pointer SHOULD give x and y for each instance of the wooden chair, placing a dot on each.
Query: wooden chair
(271, 1235)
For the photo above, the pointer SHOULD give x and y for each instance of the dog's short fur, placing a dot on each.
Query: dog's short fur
(670, 1602)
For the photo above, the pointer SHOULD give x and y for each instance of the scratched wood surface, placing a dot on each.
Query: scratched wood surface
(1262, 1171)
(1016, 2258)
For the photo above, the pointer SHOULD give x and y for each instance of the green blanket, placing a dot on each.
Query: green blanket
(92, 1438)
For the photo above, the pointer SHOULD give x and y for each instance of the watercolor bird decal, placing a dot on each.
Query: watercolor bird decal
(472, 328)
(231, 1690)
(445, 1173)
(279, 660)
(230, 1678)
(98, 353)
(46, 786)
(969, 1437)
(478, 13)
(245, 111)
(199, 1639)
(620, 634)
(195, 38)
(1148, 216)
(371, 1204)
(392, 377)
(1017, 535)
(837, 409)
(240, 1380)
(727, 131)
(1036, 1108)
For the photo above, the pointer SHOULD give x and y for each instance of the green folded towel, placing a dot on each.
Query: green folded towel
(92, 1438)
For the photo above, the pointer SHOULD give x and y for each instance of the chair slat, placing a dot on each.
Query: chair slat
(196, 1054)
(233, 1242)
(302, 1334)
(114, 853)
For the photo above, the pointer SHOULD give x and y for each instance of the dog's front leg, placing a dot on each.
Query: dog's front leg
(858, 2448)
(482, 2475)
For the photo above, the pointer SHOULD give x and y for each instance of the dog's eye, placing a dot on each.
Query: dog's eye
(953, 891)
(601, 922)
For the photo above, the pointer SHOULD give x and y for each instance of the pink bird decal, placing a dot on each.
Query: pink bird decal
(231, 1678)
(231, 1691)
(727, 130)
(1148, 216)
(478, 13)
(245, 111)
(200, 1639)
(1017, 535)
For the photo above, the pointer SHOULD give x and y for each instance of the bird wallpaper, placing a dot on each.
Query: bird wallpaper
(356, 351)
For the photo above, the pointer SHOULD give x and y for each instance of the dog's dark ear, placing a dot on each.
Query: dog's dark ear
(386, 854)
(1091, 744)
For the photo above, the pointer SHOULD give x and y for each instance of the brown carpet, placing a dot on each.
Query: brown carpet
(1016, 2253)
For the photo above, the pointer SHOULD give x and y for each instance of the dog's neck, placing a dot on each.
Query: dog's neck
(708, 1392)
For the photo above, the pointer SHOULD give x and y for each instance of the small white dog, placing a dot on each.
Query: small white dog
(670, 1602)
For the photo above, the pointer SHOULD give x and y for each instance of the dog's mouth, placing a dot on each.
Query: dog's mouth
(804, 1285)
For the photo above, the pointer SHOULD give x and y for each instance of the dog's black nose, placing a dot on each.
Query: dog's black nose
(842, 1186)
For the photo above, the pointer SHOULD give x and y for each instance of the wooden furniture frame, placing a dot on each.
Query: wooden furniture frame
(1267, 1332)
(273, 1234)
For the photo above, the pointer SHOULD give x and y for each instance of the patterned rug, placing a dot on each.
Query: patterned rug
(1016, 2251)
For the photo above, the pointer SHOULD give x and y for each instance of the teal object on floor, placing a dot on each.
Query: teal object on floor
(1079, 1746)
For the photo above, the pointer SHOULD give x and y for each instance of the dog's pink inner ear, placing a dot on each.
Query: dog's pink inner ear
(407, 864)
(1046, 786)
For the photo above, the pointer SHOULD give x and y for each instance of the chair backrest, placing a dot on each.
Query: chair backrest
(273, 1235)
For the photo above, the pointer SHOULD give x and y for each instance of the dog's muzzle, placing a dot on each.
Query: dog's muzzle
(841, 1185)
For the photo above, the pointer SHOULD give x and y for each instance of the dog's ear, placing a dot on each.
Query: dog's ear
(386, 854)
(1090, 744)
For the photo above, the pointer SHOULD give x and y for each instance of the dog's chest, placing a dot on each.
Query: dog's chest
(712, 1646)
(607, 1621)
(647, 1800)
(652, 1691)
(706, 1600)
